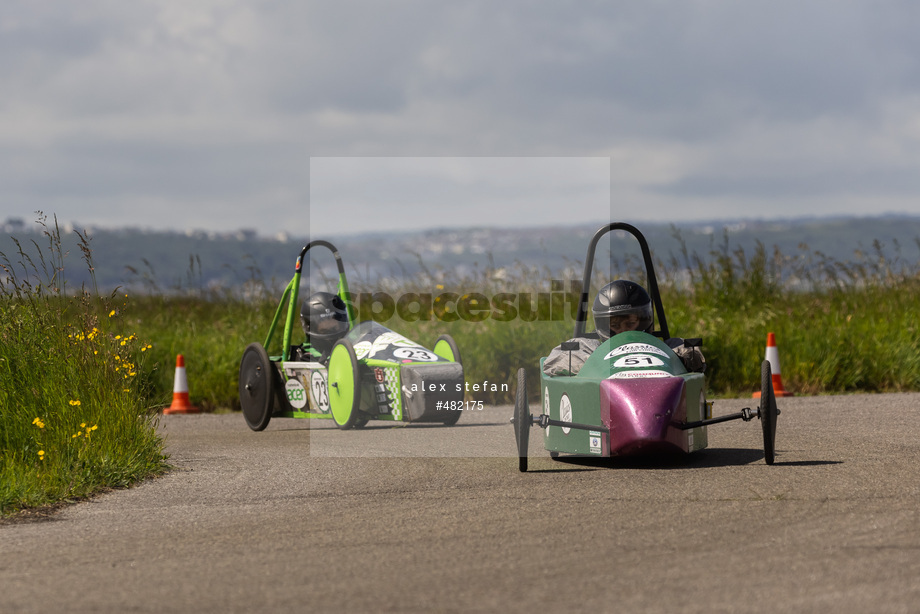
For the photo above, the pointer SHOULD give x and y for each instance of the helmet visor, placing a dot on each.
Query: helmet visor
(329, 325)
(623, 323)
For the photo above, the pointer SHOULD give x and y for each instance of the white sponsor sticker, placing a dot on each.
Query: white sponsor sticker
(565, 412)
(594, 442)
(635, 348)
(415, 354)
(319, 391)
(296, 393)
(638, 361)
(387, 339)
(362, 349)
(639, 374)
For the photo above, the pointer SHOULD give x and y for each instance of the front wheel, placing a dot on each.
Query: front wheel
(768, 412)
(344, 384)
(522, 420)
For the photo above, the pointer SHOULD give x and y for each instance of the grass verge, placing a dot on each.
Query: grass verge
(74, 411)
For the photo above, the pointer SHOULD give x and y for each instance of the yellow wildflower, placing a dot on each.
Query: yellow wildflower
(75, 402)
(111, 313)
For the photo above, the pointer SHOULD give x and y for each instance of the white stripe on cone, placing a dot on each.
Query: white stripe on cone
(180, 402)
(772, 356)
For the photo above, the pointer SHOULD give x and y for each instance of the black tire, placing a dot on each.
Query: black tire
(453, 415)
(257, 386)
(344, 385)
(522, 420)
(446, 348)
(454, 351)
(768, 412)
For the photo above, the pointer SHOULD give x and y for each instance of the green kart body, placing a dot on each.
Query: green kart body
(636, 390)
(372, 373)
(633, 394)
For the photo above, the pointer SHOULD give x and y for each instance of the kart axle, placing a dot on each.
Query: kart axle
(544, 421)
(747, 414)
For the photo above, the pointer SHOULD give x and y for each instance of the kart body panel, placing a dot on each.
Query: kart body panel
(400, 380)
(637, 389)
(391, 377)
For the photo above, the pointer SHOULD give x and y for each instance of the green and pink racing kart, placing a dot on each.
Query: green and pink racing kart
(372, 373)
(633, 394)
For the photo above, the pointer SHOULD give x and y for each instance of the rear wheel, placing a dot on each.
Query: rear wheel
(344, 385)
(446, 348)
(452, 416)
(768, 412)
(257, 386)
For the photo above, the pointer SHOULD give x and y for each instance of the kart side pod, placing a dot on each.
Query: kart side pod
(432, 391)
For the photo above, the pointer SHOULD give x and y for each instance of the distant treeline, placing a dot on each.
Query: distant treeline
(166, 262)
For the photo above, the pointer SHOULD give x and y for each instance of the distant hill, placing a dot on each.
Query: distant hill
(164, 261)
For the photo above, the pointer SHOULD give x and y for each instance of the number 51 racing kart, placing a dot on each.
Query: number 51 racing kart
(369, 373)
(633, 395)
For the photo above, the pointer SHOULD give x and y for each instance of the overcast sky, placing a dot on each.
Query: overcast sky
(341, 116)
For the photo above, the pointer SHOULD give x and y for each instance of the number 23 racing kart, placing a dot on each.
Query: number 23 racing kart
(370, 372)
(633, 395)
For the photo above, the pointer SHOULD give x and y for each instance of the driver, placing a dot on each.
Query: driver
(324, 319)
(620, 306)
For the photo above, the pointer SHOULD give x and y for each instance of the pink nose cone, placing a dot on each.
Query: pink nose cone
(639, 413)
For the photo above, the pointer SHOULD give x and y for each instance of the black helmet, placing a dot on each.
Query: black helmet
(324, 319)
(622, 303)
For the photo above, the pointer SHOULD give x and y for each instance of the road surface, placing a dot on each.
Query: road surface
(422, 518)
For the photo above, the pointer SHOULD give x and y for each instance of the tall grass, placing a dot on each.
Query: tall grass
(841, 326)
(82, 374)
(74, 411)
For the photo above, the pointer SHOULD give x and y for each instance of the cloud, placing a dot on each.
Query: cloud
(425, 192)
(161, 113)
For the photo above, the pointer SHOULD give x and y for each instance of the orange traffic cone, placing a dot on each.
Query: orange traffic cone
(180, 402)
(773, 358)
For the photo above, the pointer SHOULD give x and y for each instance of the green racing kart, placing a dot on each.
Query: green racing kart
(633, 394)
(372, 373)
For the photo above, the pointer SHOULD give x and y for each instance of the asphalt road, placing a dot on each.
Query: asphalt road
(435, 519)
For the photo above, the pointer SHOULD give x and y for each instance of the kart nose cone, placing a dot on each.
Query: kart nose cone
(639, 412)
